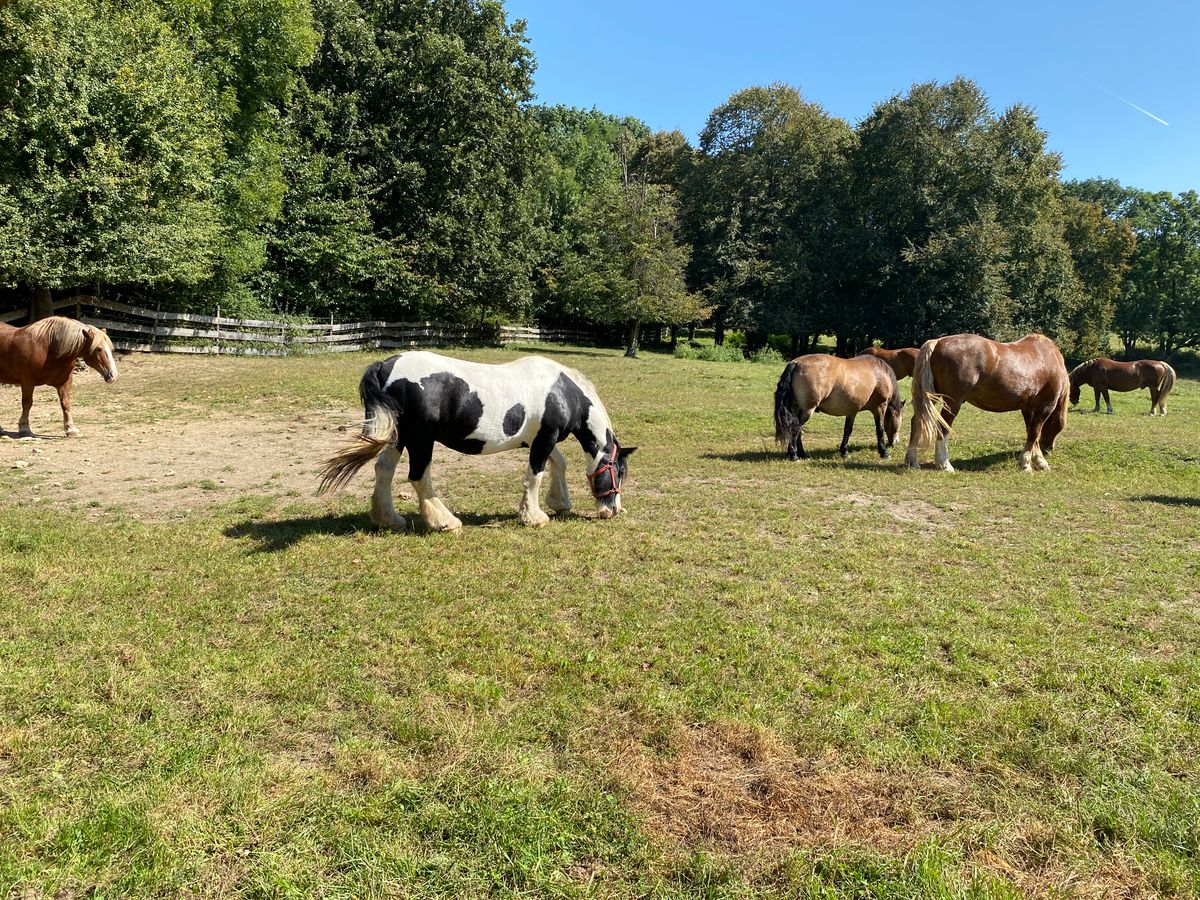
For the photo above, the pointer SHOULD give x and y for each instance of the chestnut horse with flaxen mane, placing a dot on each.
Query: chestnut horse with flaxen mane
(1028, 375)
(45, 353)
(901, 360)
(1104, 375)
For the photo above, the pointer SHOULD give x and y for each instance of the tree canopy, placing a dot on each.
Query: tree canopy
(384, 158)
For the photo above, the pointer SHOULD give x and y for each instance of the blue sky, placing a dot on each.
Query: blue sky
(670, 63)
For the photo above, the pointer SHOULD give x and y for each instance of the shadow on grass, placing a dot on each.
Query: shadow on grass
(557, 351)
(1167, 500)
(762, 456)
(279, 534)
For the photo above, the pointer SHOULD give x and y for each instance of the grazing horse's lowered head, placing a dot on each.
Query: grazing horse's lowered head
(417, 399)
(893, 419)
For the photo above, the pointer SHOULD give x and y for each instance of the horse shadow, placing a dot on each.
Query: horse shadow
(273, 535)
(1167, 500)
(894, 462)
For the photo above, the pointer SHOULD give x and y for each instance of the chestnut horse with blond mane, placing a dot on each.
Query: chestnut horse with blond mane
(901, 360)
(1027, 375)
(1104, 375)
(45, 353)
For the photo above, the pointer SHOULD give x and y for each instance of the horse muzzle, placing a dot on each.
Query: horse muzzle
(109, 376)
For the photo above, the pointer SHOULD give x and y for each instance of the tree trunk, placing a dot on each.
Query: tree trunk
(691, 331)
(41, 304)
(719, 328)
(674, 337)
(631, 342)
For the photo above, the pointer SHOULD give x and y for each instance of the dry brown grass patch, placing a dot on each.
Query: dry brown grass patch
(736, 789)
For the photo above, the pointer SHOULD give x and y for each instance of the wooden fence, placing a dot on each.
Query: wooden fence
(159, 331)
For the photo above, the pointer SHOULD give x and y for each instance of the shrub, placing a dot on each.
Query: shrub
(766, 355)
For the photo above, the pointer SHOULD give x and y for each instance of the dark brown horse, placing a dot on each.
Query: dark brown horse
(901, 360)
(45, 353)
(1028, 375)
(839, 387)
(1104, 375)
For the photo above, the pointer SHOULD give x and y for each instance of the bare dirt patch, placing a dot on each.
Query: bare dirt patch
(168, 470)
(912, 511)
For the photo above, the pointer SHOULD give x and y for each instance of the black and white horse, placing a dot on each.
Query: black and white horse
(416, 398)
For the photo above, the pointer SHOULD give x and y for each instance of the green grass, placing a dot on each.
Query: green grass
(817, 679)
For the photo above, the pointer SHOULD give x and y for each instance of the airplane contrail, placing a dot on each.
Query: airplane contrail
(1144, 112)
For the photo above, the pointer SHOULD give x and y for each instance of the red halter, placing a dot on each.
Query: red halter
(611, 468)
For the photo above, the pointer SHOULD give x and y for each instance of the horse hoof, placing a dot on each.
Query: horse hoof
(72, 432)
(884, 454)
(536, 519)
(561, 513)
(25, 433)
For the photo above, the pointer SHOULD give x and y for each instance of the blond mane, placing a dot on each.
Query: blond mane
(67, 337)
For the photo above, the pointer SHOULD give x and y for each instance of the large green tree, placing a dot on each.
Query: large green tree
(762, 204)
(958, 220)
(109, 150)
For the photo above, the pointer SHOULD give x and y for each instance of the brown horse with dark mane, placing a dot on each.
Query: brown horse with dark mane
(840, 387)
(1028, 375)
(901, 360)
(45, 353)
(1104, 375)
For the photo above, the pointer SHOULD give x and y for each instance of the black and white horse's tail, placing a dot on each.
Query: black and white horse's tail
(787, 423)
(379, 432)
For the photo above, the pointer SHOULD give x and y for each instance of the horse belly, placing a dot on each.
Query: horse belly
(840, 403)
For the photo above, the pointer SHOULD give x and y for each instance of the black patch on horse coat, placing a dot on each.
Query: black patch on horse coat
(513, 420)
(442, 408)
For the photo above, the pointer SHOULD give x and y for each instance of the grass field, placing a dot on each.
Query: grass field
(772, 679)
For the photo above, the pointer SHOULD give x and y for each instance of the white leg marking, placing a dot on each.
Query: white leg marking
(941, 455)
(530, 512)
(433, 510)
(1039, 461)
(559, 498)
(383, 512)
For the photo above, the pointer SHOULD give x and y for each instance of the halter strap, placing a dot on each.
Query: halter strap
(611, 468)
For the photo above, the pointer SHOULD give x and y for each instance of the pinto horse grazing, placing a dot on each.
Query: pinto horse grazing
(901, 360)
(416, 398)
(1104, 375)
(45, 353)
(839, 387)
(1028, 375)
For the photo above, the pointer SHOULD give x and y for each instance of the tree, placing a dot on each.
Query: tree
(958, 219)
(762, 203)
(108, 150)
(1100, 250)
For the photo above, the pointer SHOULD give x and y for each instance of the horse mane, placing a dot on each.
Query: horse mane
(588, 388)
(67, 337)
(1079, 368)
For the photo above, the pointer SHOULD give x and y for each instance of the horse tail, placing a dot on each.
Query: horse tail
(1165, 385)
(787, 423)
(379, 432)
(927, 419)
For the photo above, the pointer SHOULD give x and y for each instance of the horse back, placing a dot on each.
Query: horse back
(996, 376)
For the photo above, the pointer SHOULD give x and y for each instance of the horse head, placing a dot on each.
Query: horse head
(893, 416)
(607, 477)
(98, 353)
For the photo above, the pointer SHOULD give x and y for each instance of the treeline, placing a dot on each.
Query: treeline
(383, 159)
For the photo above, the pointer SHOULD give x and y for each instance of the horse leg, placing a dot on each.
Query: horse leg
(1108, 401)
(844, 450)
(1096, 391)
(64, 400)
(941, 449)
(383, 512)
(540, 449)
(805, 415)
(437, 517)
(559, 498)
(880, 437)
(23, 428)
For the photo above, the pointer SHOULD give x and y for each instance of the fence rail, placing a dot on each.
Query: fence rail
(139, 329)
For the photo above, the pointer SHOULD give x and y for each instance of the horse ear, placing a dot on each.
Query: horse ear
(903, 403)
(626, 451)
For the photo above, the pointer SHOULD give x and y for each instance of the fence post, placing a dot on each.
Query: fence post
(218, 329)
